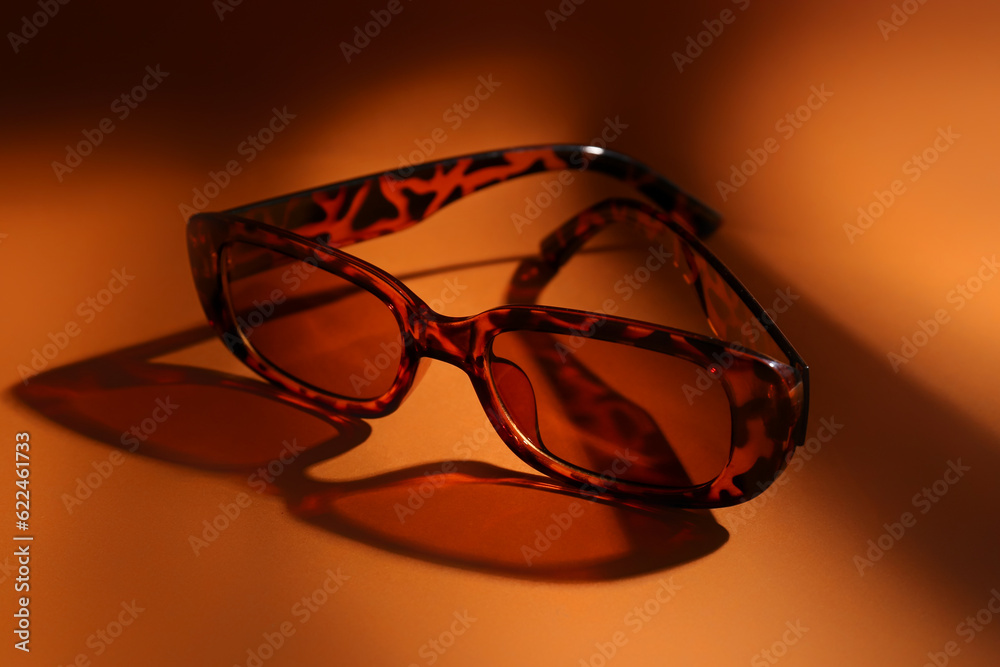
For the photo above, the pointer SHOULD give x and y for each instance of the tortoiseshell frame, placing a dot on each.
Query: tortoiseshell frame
(768, 398)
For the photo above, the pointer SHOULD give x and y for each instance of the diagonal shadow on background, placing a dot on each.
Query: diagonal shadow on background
(897, 440)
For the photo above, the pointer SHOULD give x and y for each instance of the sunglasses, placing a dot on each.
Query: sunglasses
(604, 398)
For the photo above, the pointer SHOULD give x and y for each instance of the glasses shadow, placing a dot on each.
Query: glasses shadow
(464, 514)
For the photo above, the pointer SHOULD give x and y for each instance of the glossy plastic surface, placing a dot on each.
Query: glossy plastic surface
(363, 208)
(768, 398)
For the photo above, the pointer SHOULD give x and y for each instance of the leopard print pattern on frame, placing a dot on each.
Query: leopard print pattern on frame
(767, 396)
(351, 211)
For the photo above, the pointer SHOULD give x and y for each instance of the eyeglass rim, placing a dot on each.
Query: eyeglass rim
(227, 229)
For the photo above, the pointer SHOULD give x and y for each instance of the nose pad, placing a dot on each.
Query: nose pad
(518, 397)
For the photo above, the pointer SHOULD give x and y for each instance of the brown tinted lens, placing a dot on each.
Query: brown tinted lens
(319, 328)
(612, 409)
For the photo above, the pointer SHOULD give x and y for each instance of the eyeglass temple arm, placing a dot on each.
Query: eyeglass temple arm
(348, 212)
(559, 246)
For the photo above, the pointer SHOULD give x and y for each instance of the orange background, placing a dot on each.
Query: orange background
(786, 558)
